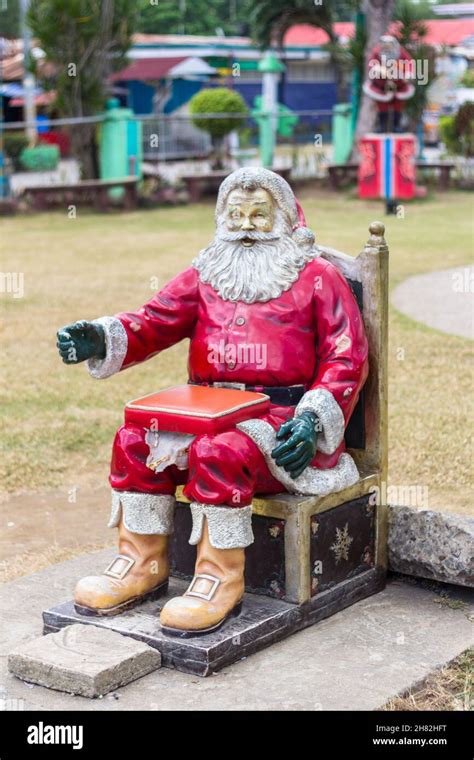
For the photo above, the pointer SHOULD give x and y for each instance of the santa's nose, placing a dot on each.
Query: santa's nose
(247, 224)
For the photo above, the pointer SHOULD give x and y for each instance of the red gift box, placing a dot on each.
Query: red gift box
(196, 409)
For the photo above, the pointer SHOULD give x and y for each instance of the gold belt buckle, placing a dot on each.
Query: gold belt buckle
(232, 386)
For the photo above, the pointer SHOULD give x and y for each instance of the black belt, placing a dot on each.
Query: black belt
(280, 395)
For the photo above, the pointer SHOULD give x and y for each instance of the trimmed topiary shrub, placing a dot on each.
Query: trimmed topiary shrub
(217, 100)
(42, 158)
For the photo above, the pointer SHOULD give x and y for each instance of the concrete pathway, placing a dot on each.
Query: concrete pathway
(443, 300)
(357, 659)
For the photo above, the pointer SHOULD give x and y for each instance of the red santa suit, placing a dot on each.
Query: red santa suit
(313, 336)
(388, 83)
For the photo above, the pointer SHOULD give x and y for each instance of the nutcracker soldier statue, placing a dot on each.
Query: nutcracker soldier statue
(390, 69)
(264, 313)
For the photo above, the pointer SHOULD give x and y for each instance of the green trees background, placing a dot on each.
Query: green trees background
(83, 41)
(233, 17)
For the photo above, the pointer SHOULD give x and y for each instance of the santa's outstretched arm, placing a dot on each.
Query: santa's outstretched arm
(111, 344)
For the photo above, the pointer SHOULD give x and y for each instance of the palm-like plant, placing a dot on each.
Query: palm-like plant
(412, 21)
(271, 19)
(411, 33)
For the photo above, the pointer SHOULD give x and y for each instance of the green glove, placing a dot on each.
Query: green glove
(295, 454)
(80, 341)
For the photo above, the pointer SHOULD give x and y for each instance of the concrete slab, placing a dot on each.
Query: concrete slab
(81, 659)
(357, 659)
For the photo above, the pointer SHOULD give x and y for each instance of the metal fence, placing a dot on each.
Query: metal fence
(173, 137)
(166, 139)
(171, 140)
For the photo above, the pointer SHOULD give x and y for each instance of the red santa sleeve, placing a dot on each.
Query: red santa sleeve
(134, 337)
(342, 362)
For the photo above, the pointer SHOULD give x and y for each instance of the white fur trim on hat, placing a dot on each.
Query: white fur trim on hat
(251, 176)
(304, 237)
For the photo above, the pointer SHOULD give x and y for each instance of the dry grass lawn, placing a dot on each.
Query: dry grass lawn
(59, 423)
(450, 688)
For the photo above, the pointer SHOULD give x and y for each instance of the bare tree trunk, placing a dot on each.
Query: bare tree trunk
(84, 149)
(96, 58)
(378, 14)
(217, 159)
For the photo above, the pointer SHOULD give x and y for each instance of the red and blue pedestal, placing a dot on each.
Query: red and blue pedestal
(387, 167)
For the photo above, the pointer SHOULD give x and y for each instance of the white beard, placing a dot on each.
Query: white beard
(259, 273)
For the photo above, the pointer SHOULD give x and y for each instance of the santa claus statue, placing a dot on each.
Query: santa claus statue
(390, 70)
(260, 283)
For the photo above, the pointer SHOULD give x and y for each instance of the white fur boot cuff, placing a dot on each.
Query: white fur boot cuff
(143, 513)
(229, 527)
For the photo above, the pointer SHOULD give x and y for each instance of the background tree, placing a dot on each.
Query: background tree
(378, 15)
(194, 17)
(467, 79)
(351, 56)
(10, 19)
(411, 33)
(83, 41)
(218, 100)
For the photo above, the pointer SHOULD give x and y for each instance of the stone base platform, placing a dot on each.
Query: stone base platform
(262, 622)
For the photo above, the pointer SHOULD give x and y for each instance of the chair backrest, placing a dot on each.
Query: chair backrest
(366, 434)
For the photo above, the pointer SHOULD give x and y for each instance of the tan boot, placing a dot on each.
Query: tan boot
(217, 589)
(138, 573)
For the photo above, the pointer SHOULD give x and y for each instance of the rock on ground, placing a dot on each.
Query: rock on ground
(436, 545)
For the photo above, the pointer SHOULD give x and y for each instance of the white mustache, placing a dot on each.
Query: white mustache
(261, 237)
